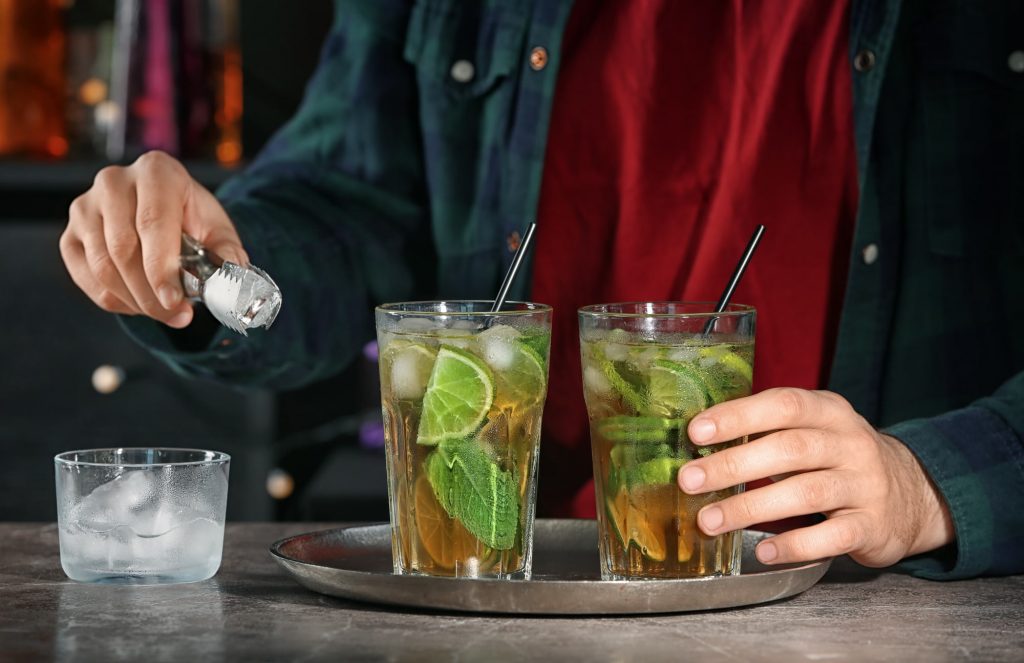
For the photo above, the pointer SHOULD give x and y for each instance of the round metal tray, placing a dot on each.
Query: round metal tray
(355, 563)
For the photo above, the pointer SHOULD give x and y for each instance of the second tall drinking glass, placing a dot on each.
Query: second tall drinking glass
(648, 369)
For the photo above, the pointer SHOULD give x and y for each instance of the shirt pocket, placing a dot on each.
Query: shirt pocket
(462, 50)
(970, 57)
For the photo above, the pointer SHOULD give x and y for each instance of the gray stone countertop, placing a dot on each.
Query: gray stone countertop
(252, 611)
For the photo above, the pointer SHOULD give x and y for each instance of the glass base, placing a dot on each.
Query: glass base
(522, 574)
(109, 577)
(605, 575)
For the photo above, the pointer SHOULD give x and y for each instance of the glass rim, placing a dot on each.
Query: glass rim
(219, 457)
(601, 310)
(398, 308)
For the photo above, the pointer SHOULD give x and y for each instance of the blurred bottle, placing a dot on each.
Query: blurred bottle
(176, 79)
(226, 53)
(32, 46)
(90, 113)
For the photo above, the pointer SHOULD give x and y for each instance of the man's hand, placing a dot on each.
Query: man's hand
(123, 238)
(880, 505)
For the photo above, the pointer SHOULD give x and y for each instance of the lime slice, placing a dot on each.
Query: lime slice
(407, 366)
(675, 390)
(632, 527)
(730, 375)
(627, 455)
(459, 394)
(523, 383)
(653, 472)
(540, 342)
(616, 505)
(729, 360)
(639, 429)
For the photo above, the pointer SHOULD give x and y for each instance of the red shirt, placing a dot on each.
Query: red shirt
(676, 128)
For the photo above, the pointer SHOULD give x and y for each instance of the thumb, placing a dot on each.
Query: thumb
(207, 221)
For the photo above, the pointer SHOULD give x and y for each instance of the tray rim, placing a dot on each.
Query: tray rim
(809, 572)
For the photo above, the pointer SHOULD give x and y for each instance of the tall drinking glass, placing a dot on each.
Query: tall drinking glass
(462, 392)
(648, 369)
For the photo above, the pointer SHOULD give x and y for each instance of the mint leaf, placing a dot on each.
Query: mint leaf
(472, 488)
(540, 342)
(627, 382)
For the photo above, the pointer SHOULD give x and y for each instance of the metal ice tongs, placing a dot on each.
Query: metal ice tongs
(240, 298)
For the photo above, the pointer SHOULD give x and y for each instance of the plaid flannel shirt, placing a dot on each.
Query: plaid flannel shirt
(397, 181)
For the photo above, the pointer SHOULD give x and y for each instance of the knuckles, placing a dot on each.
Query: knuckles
(819, 493)
(122, 246)
(109, 302)
(66, 242)
(157, 161)
(848, 537)
(796, 445)
(78, 209)
(730, 466)
(791, 402)
(146, 218)
(108, 179)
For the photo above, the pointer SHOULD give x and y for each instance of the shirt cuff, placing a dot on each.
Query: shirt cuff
(226, 348)
(975, 460)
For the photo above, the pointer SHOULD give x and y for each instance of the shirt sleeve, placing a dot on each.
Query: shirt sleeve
(975, 456)
(332, 208)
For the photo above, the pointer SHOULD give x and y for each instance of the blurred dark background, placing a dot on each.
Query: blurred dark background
(76, 94)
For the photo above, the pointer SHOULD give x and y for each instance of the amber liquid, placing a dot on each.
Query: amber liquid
(425, 539)
(648, 525)
(665, 518)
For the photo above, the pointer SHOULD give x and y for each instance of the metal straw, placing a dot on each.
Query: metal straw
(737, 273)
(524, 245)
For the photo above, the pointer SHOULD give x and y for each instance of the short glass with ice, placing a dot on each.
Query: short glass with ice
(141, 515)
(648, 369)
(462, 392)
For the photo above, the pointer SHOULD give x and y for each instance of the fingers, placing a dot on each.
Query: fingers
(113, 248)
(207, 221)
(74, 259)
(814, 492)
(779, 453)
(769, 410)
(123, 240)
(836, 536)
(83, 252)
(161, 186)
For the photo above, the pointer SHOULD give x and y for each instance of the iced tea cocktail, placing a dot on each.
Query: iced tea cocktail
(462, 392)
(648, 369)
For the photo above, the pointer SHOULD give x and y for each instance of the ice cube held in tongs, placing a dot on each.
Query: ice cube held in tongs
(240, 298)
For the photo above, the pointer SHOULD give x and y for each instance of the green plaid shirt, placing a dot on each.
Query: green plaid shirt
(396, 181)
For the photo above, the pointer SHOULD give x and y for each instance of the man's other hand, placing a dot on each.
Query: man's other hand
(879, 503)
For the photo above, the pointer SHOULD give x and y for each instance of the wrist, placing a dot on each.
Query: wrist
(933, 525)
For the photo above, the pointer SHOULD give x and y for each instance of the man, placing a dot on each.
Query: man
(648, 138)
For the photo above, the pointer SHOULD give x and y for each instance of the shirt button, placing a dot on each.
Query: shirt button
(513, 241)
(463, 71)
(1016, 62)
(538, 58)
(864, 60)
(870, 254)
